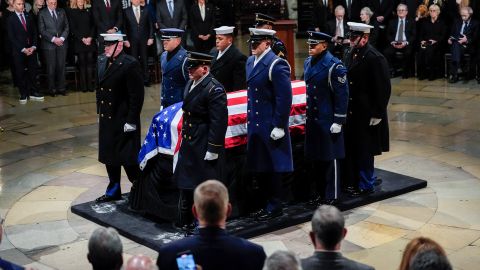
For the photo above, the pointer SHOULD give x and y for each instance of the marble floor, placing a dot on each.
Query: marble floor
(48, 162)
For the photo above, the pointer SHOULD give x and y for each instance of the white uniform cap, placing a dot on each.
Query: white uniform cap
(359, 27)
(113, 37)
(261, 32)
(224, 30)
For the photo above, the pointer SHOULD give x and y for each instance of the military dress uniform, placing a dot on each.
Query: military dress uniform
(370, 89)
(269, 93)
(120, 97)
(174, 71)
(278, 47)
(327, 99)
(205, 119)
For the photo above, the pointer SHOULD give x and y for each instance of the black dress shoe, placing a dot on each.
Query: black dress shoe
(63, 93)
(105, 198)
(378, 181)
(453, 79)
(330, 201)
(315, 202)
(268, 215)
(362, 192)
(52, 94)
(257, 213)
(349, 189)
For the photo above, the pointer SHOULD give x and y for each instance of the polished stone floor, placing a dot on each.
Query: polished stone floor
(48, 161)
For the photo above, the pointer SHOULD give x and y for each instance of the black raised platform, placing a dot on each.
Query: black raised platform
(154, 234)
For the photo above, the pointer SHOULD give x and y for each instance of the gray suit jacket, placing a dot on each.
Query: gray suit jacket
(48, 28)
(180, 16)
(332, 261)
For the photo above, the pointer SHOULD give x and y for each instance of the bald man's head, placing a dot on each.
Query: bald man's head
(211, 202)
(140, 262)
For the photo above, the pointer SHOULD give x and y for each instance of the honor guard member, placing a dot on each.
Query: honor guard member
(205, 119)
(119, 103)
(263, 21)
(269, 92)
(228, 64)
(327, 100)
(174, 69)
(366, 130)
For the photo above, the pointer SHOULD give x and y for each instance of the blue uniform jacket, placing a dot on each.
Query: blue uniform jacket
(269, 105)
(325, 105)
(175, 77)
(214, 249)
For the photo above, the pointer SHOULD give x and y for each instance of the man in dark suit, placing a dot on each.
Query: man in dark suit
(323, 11)
(337, 28)
(463, 39)
(328, 231)
(382, 10)
(108, 18)
(228, 64)
(172, 14)
(22, 36)
(119, 104)
(139, 31)
(212, 247)
(401, 35)
(205, 117)
(53, 28)
(366, 130)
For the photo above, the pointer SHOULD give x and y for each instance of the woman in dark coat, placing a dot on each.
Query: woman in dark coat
(82, 30)
(432, 37)
(203, 35)
(366, 17)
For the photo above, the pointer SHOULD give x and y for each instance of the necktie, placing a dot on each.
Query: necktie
(170, 8)
(107, 5)
(23, 21)
(337, 31)
(137, 14)
(400, 31)
(464, 25)
(202, 12)
(54, 15)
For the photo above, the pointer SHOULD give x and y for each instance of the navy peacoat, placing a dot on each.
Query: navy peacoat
(174, 77)
(119, 100)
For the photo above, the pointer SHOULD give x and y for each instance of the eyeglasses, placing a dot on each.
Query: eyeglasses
(401, 10)
(433, 10)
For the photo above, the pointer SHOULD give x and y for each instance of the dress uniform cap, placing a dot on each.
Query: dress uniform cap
(195, 59)
(224, 30)
(113, 37)
(317, 37)
(359, 28)
(169, 33)
(262, 19)
(260, 34)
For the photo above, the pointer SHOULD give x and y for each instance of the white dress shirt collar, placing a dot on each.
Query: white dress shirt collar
(258, 58)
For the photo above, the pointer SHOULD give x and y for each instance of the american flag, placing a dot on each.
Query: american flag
(164, 134)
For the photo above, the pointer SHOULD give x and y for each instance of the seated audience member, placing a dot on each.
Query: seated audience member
(105, 249)
(6, 265)
(328, 231)
(366, 17)
(140, 262)
(463, 37)
(212, 247)
(282, 260)
(400, 37)
(432, 35)
(416, 246)
(430, 260)
(337, 28)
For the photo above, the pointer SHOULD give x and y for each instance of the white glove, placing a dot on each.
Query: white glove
(375, 121)
(277, 133)
(129, 127)
(161, 108)
(335, 128)
(210, 156)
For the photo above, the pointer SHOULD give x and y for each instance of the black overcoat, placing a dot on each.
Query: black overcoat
(119, 100)
(229, 70)
(369, 90)
(205, 119)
